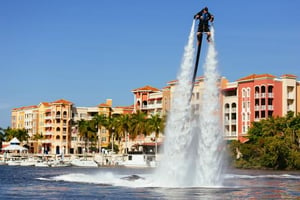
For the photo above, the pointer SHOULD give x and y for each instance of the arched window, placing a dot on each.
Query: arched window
(244, 92)
(248, 92)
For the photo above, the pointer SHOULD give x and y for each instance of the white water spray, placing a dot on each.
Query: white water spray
(211, 142)
(192, 154)
(172, 169)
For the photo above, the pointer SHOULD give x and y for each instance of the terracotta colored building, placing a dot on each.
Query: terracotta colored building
(148, 99)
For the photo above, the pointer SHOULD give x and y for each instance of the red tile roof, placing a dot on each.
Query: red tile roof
(103, 105)
(146, 88)
(62, 101)
(288, 76)
(256, 76)
(24, 108)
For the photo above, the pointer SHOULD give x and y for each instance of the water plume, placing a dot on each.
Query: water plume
(193, 149)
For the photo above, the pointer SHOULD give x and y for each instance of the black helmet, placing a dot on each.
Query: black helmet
(206, 9)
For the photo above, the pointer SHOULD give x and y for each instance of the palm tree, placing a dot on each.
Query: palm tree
(111, 125)
(21, 134)
(156, 125)
(37, 137)
(138, 125)
(123, 126)
(87, 130)
(2, 136)
(100, 122)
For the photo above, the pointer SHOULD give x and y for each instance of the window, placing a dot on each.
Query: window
(244, 92)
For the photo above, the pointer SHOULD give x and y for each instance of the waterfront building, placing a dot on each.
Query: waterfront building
(47, 124)
(148, 99)
(250, 98)
(88, 113)
(261, 96)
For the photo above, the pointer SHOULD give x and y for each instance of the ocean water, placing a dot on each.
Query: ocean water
(18, 182)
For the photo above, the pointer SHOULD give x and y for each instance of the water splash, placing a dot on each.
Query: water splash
(211, 143)
(192, 146)
(172, 168)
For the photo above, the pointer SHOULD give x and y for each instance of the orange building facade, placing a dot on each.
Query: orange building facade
(251, 98)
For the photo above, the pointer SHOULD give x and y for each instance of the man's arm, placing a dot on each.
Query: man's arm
(211, 17)
(197, 16)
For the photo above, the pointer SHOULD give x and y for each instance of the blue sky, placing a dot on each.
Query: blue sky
(88, 51)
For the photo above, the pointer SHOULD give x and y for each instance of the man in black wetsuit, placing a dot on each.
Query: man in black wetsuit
(204, 17)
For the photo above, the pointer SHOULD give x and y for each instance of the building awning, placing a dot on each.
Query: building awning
(147, 144)
(229, 89)
(243, 139)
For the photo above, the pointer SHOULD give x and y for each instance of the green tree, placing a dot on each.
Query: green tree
(88, 131)
(155, 124)
(100, 121)
(21, 134)
(139, 125)
(123, 127)
(111, 124)
(274, 143)
(2, 136)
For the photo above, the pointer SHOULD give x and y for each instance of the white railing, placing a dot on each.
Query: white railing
(48, 124)
(48, 133)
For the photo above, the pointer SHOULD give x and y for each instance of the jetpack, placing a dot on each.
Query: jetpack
(197, 57)
(196, 62)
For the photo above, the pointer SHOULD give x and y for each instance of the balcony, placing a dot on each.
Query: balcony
(226, 122)
(270, 107)
(47, 141)
(48, 117)
(290, 96)
(270, 95)
(48, 125)
(48, 133)
(257, 95)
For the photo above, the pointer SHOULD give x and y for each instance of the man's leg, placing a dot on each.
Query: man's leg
(199, 37)
(208, 37)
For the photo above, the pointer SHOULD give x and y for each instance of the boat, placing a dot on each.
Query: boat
(3, 163)
(42, 164)
(28, 163)
(13, 162)
(139, 160)
(59, 163)
(84, 163)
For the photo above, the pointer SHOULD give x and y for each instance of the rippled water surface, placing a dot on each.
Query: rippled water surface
(117, 183)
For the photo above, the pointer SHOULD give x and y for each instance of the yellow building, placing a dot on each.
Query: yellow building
(48, 125)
